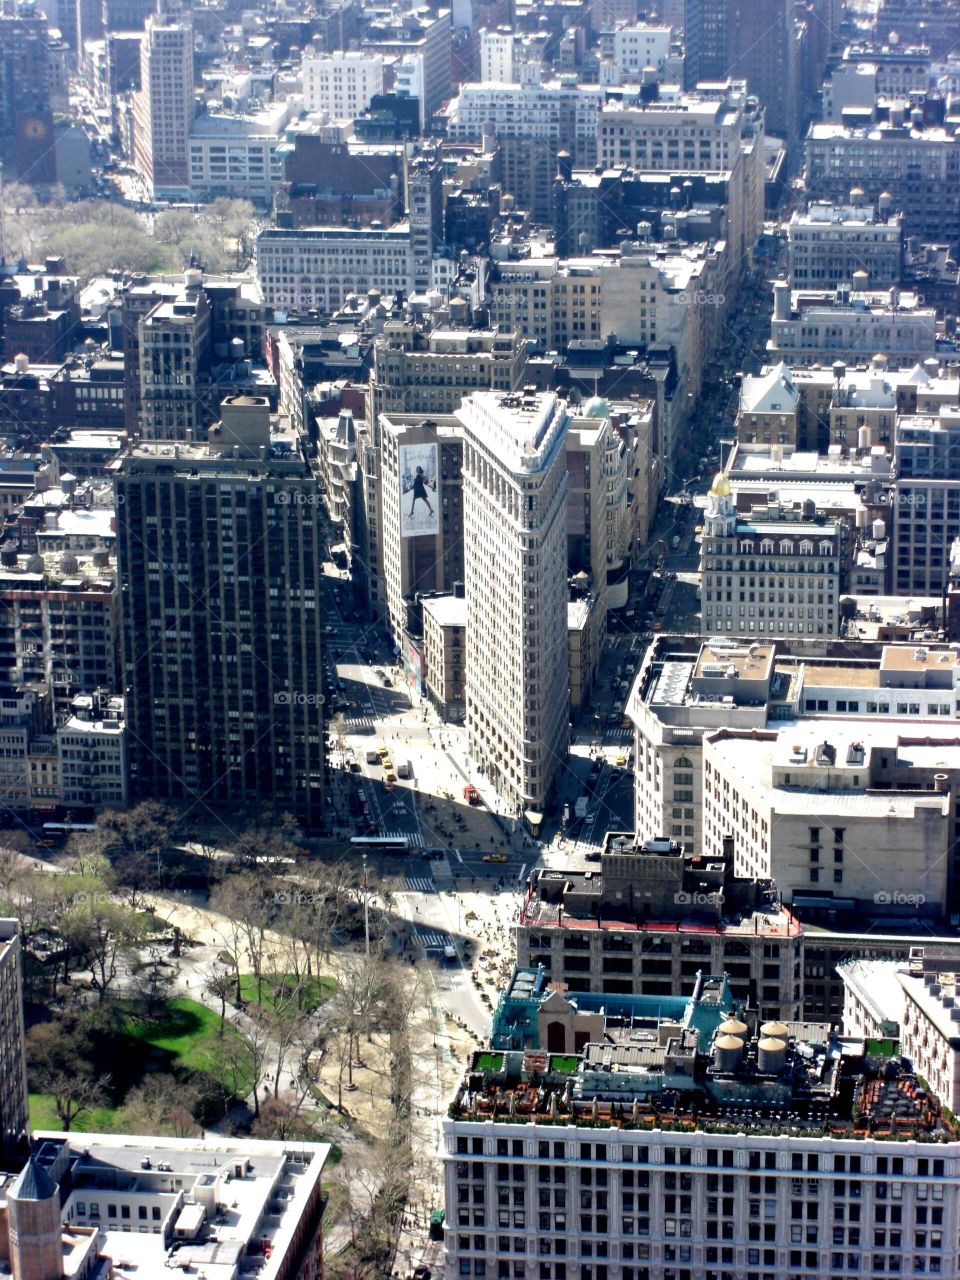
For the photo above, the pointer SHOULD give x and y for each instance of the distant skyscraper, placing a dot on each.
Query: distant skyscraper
(515, 554)
(125, 15)
(175, 345)
(705, 31)
(752, 40)
(762, 48)
(14, 1117)
(220, 564)
(88, 21)
(422, 180)
(26, 126)
(164, 106)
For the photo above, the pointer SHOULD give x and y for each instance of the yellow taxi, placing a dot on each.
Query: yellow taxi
(495, 857)
(621, 760)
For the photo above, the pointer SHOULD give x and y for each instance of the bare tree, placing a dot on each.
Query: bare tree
(282, 1119)
(232, 219)
(162, 1104)
(208, 851)
(219, 984)
(73, 1094)
(243, 900)
(239, 1061)
(291, 1025)
(13, 866)
(58, 1067)
(87, 853)
(338, 1039)
(376, 1187)
(154, 980)
(105, 931)
(137, 839)
(175, 226)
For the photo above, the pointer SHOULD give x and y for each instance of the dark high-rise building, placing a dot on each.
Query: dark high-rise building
(763, 50)
(752, 40)
(25, 119)
(705, 34)
(220, 567)
(87, 22)
(126, 15)
(14, 1115)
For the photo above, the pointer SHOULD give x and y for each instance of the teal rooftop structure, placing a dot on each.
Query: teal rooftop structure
(537, 1014)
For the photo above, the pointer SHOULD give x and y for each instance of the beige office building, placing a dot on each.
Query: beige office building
(515, 554)
(163, 109)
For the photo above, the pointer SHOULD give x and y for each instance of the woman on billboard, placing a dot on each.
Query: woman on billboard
(419, 490)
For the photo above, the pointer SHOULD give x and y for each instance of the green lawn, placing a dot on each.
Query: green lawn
(189, 1035)
(185, 1042)
(43, 1115)
(317, 991)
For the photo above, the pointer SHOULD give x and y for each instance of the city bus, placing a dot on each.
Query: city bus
(381, 844)
(65, 828)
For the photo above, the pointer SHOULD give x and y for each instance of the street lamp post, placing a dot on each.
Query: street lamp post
(366, 908)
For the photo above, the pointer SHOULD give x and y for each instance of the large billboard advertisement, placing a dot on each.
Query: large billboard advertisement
(413, 666)
(418, 490)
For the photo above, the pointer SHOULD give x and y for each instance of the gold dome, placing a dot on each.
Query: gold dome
(721, 485)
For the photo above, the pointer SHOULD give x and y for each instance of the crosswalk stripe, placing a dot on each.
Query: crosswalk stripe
(431, 939)
(414, 838)
(421, 884)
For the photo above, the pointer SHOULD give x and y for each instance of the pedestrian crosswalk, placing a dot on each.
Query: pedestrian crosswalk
(421, 884)
(360, 719)
(414, 839)
(427, 938)
(618, 735)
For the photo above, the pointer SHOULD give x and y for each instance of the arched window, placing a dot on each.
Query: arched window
(683, 762)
